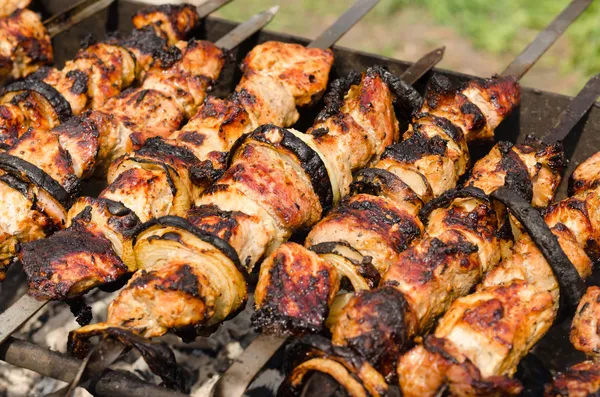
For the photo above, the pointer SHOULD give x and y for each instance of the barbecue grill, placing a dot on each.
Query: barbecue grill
(539, 112)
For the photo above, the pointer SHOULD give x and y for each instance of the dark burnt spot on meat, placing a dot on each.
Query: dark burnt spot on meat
(480, 220)
(383, 324)
(334, 99)
(80, 81)
(486, 315)
(145, 40)
(157, 148)
(415, 148)
(57, 101)
(44, 259)
(553, 153)
(319, 132)
(517, 175)
(468, 108)
(406, 98)
(193, 137)
(419, 267)
(436, 346)
(439, 90)
(215, 221)
(168, 57)
(455, 133)
(205, 174)
(244, 97)
(396, 227)
(294, 305)
(183, 280)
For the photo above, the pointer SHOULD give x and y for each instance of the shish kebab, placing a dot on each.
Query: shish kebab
(297, 288)
(309, 68)
(25, 41)
(87, 143)
(192, 277)
(480, 340)
(230, 118)
(98, 139)
(101, 71)
(269, 92)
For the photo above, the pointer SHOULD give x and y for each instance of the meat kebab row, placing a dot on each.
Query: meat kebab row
(196, 267)
(97, 73)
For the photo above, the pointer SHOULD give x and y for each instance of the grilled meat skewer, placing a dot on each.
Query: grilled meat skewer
(279, 181)
(482, 337)
(165, 175)
(370, 328)
(25, 45)
(89, 142)
(97, 73)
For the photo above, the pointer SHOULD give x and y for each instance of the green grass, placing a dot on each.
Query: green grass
(507, 25)
(498, 27)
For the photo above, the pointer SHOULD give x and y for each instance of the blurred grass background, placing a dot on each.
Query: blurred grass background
(481, 36)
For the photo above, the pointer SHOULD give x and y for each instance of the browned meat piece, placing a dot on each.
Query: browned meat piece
(584, 329)
(303, 71)
(175, 21)
(25, 45)
(165, 175)
(57, 267)
(580, 380)
(380, 221)
(9, 6)
(278, 182)
(493, 328)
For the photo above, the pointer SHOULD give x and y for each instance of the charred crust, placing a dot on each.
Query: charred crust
(227, 219)
(39, 256)
(334, 99)
(157, 148)
(365, 267)
(415, 148)
(204, 173)
(468, 108)
(80, 81)
(388, 334)
(517, 176)
(310, 294)
(39, 177)
(166, 167)
(182, 223)
(405, 96)
(571, 285)
(309, 160)
(455, 133)
(81, 310)
(168, 57)
(145, 40)
(61, 106)
(447, 197)
(557, 159)
(439, 86)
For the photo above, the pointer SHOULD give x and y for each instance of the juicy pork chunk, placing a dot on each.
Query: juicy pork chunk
(102, 71)
(369, 232)
(170, 169)
(9, 6)
(25, 45)
(278, 182)
(490, 330)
